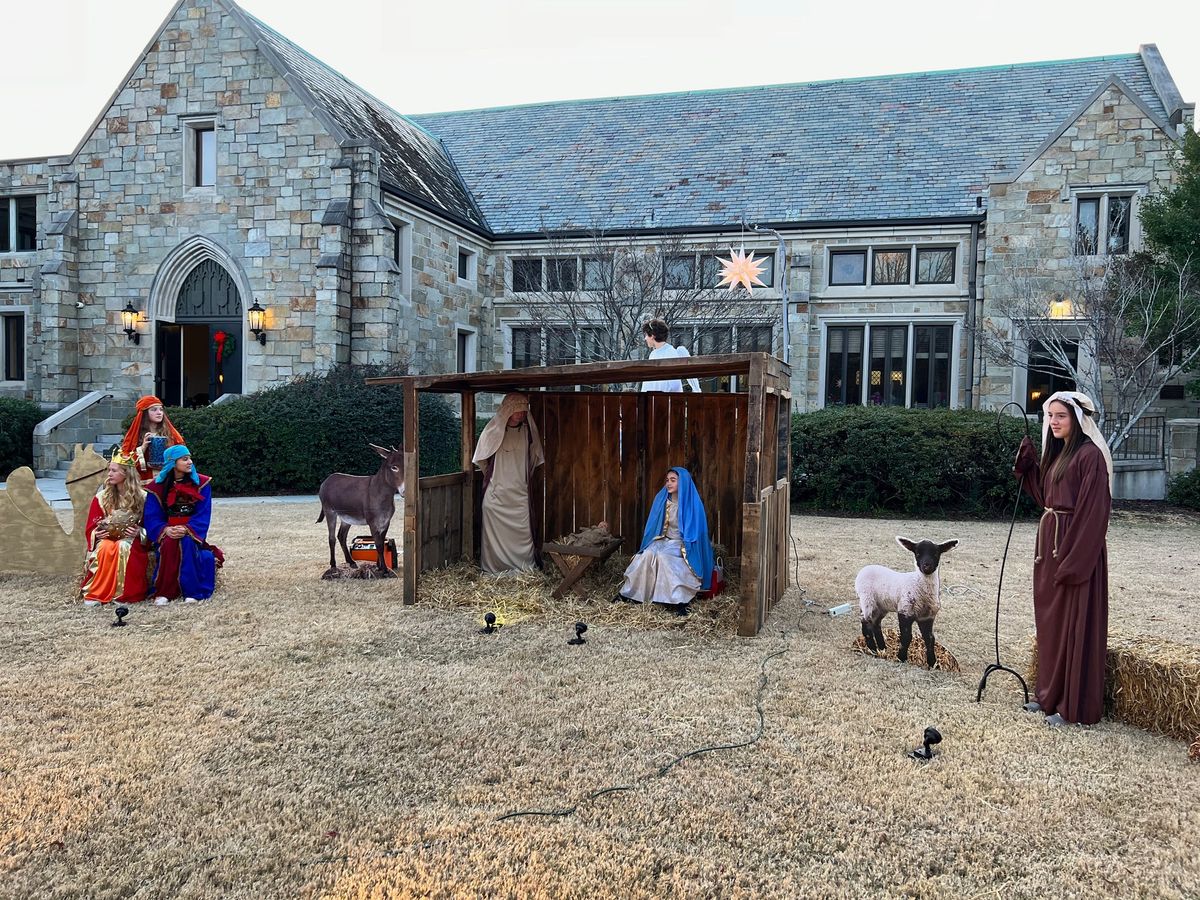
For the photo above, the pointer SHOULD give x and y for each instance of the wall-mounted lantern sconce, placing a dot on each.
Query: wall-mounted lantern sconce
(129, 317)
(1061, 309)
(257, 314)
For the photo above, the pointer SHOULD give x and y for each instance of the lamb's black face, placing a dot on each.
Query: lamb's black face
(927, 553)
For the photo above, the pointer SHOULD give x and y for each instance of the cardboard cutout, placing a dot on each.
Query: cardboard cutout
(31, 538)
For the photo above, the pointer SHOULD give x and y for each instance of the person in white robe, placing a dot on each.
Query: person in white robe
(657, 333)
(508, 452)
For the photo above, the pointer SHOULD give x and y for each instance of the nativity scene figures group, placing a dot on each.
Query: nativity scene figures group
(147, 528)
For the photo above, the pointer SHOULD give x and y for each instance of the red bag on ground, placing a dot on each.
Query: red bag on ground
(718, 582)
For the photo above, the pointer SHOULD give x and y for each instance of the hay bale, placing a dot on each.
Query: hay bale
(916, 651)
(1154, 684)
(1149, 682)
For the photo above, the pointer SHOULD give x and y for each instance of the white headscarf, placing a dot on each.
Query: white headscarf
(493, 432)
(1085, 412)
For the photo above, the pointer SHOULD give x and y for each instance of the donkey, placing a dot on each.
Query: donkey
(363, 500)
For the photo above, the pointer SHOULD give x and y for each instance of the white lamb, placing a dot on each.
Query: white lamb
(913, 596)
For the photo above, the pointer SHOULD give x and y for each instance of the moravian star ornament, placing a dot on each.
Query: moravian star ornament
(741, 269)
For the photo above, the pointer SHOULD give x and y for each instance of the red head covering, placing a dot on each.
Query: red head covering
(139, 426)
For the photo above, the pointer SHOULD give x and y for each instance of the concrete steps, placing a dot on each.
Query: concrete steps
(102, 445)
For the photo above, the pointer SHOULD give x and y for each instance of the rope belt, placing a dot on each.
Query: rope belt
(1037, 543)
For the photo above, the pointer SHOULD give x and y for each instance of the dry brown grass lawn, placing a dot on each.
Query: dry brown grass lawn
(305, 738)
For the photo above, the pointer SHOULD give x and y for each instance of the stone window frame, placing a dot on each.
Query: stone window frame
(471, 350)
(11, 249)
(913, 321)
(831, 252)
(868, 287)
(7, 312)
(705, 267)
(696, 336)
(1019, 382)
(545, 352)
(402, 251)
(1135, 193)
(471, 258)
(511, 274)
(190, 128)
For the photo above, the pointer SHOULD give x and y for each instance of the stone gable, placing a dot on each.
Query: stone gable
(1114, 144)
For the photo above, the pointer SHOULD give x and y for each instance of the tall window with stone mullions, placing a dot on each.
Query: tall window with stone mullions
(18, 224)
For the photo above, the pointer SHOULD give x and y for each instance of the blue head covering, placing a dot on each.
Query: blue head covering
(693, 526)
(170, 456)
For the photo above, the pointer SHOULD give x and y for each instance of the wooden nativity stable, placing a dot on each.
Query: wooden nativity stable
(607, 454)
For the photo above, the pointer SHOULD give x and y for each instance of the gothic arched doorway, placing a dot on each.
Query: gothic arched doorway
(199, 355)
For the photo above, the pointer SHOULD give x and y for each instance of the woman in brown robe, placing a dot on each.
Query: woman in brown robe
(1070, 566)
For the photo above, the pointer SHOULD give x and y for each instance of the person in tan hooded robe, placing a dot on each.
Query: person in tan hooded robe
(508, 452)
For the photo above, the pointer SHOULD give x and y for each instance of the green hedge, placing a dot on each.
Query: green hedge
(17, 419)
(286, 439)
(911, 461)
(1184, 489)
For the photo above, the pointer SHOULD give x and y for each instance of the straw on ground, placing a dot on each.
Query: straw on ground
(305, 738)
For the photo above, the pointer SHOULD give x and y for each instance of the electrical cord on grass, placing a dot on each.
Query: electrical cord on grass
(665, 768)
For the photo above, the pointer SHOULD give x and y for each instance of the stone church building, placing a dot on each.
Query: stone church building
(239, 213)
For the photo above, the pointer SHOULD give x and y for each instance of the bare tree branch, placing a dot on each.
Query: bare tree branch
(1120, 330)
(591, 296)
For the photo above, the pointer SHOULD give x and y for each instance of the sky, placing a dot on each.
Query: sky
(466, 54)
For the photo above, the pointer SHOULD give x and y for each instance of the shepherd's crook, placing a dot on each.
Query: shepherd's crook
(997, 666)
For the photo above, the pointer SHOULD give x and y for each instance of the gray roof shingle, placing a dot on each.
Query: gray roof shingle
(411, 159)
(896, 147)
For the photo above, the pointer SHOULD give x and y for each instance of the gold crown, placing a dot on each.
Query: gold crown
(121, 459)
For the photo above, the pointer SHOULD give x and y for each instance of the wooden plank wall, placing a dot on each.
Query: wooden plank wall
(441, 521)
(606, 456)
(768, 524)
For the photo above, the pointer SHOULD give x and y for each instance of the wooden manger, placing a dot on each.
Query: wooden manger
(607, 454)
(573, 560)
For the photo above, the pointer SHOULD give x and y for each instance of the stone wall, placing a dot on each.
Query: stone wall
(274, 182)
(1112, 145)
(20, 273)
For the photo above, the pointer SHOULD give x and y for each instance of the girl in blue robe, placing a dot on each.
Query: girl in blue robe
(676, 559)
(177, 514)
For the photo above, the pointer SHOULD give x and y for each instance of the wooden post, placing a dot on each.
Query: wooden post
(752, 556)
(412, 491)
(467, 550)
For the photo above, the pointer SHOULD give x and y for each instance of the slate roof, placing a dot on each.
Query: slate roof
(897, 147)
(411, 159)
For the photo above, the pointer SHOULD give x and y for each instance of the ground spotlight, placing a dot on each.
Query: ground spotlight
(122, 612)
(489, 624)
(932, 736)
(580, 628)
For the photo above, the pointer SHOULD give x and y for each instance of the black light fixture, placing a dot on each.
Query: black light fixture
(122, 612)
(925, 753)
(257, 315)
(580, 628)
(129, 317)
(489, 626)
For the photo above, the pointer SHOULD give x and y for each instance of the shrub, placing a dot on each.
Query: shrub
(287, 439)
(1184, 489)
(911, 461)
(17, 419)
